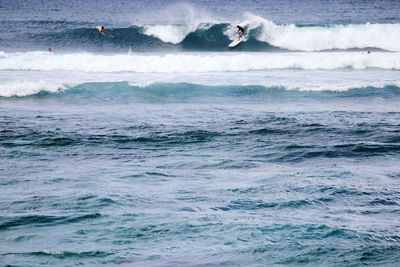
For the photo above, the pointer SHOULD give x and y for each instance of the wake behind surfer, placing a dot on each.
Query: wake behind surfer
(240, 31)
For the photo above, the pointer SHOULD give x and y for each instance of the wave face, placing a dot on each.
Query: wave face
(261, 35)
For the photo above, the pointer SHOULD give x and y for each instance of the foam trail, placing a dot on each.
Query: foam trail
(317, 38)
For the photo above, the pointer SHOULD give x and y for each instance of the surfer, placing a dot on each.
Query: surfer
(102, 30)
(239, 39)
(240, 31)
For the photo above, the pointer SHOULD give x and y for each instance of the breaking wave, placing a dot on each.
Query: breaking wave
(161, 92)
(261, 35)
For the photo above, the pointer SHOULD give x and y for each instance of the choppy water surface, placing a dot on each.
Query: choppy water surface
(162, 147)
(233, 180)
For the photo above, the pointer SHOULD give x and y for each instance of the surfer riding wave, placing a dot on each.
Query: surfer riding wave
(240, 37)
(240, 31)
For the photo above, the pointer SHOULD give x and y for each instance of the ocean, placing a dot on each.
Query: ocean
(158, 145)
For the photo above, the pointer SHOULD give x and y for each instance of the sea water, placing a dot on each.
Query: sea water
(162, 146)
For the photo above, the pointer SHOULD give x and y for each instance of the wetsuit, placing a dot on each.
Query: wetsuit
(240, 31)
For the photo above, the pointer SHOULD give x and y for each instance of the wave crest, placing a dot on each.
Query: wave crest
(200, 35)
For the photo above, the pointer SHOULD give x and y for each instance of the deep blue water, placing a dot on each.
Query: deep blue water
(163, 147)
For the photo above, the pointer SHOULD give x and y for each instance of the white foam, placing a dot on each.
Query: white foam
(29, 73)
(197, 62)
(317, 38)
(24, 88)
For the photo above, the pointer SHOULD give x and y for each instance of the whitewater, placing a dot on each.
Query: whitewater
(197, 62)
(28, 73)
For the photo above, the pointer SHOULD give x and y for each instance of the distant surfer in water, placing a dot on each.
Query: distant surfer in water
(240, 31)
(102, 30)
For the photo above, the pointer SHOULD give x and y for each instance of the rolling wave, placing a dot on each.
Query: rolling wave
(161, 92)
(261, 35)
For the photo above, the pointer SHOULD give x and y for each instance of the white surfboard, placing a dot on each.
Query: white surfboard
(236, 42)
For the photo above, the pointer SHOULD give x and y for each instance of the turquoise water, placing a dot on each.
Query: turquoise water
(160, 149)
